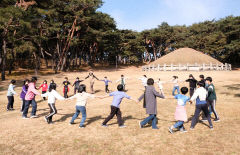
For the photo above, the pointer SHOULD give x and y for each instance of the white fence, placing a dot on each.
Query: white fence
(188, 67)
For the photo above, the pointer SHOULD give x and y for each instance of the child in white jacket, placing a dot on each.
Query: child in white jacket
(52, 95)
(81, 101)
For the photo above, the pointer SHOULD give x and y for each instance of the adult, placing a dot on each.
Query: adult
(151, 104)
(30, 99)
(92, 78)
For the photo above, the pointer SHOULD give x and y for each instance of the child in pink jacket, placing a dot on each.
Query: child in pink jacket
(30, 99)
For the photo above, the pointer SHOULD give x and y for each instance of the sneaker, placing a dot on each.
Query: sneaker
(140, 125)
(211, 127)
(156, 128)
(216, 120)
(33, 116)
(70, 123)
(122, 126)
(182, 130)
(12, 109)
(25, 117)
(104, 125)
(204, 120)
(170, 130)
(50, 122)
(191, 128)
(8, 109)
(81, 126)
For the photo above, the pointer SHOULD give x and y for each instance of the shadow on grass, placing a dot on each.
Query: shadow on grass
(233, 86)
(237, 95)
(125, 118)
(93, 119)
(64, 117)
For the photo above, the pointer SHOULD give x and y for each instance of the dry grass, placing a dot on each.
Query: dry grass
(34, 136)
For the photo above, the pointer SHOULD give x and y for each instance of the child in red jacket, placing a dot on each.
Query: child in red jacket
(44, 87)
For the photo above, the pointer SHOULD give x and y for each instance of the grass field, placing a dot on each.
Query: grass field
(35, 136)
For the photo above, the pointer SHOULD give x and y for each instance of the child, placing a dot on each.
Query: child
(106, 81)
(144, 80)
(123, 81)
(10, 95)
(160, 85)
(76, 84)
(115, 107)
(211, 98)
(175, 85)
(52, 95)
(180, 114)
(201, 105)
(81, 98)
(52, 82)
(44, 87)
(65, 87)
(30, 99)
(92, 78)
(151, 104)
(202, 80)
(23, 93)
(192, 84)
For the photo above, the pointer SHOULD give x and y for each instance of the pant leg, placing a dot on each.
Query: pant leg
(43, 92)
(119, 117)
(12, 102)
(65, 92)
(26, 107)
(213, 107)
(196, 116)
(23, 104)
(191, 92)
(207, 114)
(9, 102)
(178, 91)
(178, 124)
(53, 111)
(146, 120)
(111, 115)
(173, 91)
(91, 85)
(76, 114)
(34, 107)
(84, 115)
(154, 122)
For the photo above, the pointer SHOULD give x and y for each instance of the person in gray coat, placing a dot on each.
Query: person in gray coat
(150, 95)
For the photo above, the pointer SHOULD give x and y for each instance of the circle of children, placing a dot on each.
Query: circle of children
(202, 91)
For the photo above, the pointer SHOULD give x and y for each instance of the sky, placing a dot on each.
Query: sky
(139, 15)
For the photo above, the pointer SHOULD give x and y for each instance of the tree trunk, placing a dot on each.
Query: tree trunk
(4, 59)
(11, 63)
(36, 63)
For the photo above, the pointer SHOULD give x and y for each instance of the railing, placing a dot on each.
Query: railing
(188, 67)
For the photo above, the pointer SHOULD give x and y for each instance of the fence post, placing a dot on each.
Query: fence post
(230, 67)
(171, 67)
(211, 66)
(203, 66)
(187, 67)
(164, 67)
(158, 67)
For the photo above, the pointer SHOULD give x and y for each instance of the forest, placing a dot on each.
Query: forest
(65, 34)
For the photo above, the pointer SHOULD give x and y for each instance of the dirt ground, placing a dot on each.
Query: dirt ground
(35, 136)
